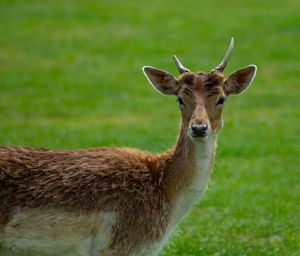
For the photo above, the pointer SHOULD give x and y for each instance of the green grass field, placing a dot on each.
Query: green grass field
(70, 77)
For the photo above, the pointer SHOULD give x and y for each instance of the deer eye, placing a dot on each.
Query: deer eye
(180, 101)
(221, 101)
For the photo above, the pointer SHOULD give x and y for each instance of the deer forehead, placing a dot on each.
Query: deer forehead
(201, 83)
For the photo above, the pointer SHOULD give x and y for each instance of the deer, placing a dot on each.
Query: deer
(116, 201)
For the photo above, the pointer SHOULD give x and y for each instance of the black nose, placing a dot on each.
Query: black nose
(199, 130)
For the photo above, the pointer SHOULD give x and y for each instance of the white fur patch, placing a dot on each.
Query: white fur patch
(55, 233)
(203, 156)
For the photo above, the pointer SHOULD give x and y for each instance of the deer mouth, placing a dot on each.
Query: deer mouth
(197, 136)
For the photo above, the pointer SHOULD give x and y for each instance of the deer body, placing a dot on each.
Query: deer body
(115, 201)
(65, 201)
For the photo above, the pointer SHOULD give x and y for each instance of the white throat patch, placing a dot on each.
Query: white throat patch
(203, 158)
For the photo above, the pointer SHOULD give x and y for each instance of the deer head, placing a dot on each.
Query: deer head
(201, 97)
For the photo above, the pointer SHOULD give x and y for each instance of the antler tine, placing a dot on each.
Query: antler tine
(181, 68)
(222, 65)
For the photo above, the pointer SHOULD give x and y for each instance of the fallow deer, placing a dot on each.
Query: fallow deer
(116, 201)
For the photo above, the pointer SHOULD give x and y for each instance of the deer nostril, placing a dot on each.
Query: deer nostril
(194, 127)
(204, 127)
(199, 130)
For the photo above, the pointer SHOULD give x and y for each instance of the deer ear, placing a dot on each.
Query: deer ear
(162, 81)
(239, 80)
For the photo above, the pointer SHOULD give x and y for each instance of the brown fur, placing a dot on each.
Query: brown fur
(100, 179)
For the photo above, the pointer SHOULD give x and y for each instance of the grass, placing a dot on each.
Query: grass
(70, 77)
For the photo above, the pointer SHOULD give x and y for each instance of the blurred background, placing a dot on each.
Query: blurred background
(70, 77)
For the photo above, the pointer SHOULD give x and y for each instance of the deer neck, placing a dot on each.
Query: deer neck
(189, 174)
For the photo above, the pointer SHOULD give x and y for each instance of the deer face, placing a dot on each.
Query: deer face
(201, 99)
(201, 96)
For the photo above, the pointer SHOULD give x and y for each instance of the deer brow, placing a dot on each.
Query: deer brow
(211, 83)
(213, 91)
(188, 91)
